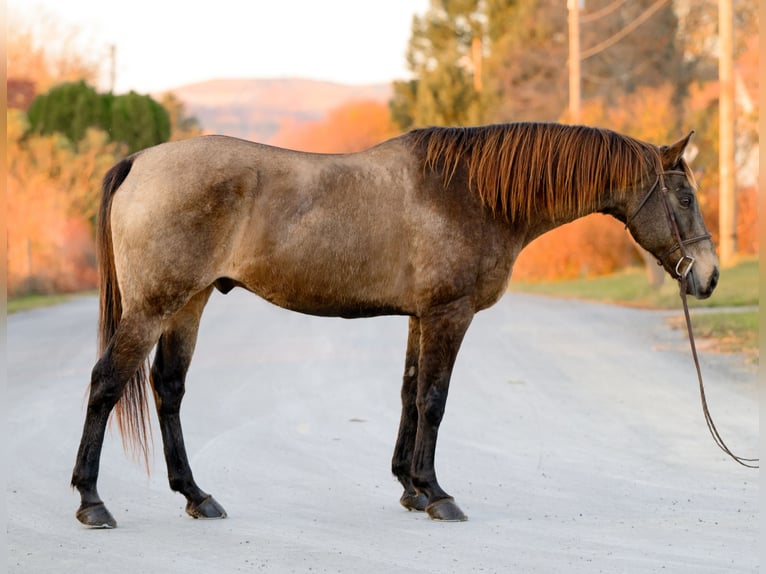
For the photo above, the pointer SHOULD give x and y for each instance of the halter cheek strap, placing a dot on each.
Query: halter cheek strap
(685, 263)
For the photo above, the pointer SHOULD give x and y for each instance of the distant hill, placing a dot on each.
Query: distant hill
(255, 109)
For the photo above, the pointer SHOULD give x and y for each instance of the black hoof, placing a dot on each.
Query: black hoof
(208, 508)
(96, 516)
(446, 510)
(414, 501)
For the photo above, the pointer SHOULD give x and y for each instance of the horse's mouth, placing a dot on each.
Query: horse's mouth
(693, 286)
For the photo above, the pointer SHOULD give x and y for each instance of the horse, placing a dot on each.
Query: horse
(426, 225)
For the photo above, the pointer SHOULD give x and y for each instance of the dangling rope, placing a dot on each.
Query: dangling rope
(748, 462)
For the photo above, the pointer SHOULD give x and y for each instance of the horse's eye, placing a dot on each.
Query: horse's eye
(685, 201)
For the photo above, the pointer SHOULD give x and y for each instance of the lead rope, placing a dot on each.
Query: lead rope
(748, 462)
(682, 273)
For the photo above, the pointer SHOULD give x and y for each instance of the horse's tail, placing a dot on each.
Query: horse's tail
(131, 410)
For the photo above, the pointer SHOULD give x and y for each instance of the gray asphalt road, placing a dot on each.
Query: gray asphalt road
(573, 439)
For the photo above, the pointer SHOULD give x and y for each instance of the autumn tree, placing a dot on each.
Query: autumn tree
(52, 196)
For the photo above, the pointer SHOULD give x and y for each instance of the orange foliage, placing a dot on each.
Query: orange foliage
(352, 127)
(593, 245)
(52, 193)
(747, 221)
(51, 185)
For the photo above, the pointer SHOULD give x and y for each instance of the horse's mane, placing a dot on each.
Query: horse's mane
(524, 168)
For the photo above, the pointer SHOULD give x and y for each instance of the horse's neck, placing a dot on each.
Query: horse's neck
(543, 223)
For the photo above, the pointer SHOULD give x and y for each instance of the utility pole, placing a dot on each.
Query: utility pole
(727, 220)
(574, 61)
(112, 67)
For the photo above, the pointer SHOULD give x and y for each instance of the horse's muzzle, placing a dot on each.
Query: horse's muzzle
(695, 287)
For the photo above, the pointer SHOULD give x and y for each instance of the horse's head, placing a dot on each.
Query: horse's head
(664, 217)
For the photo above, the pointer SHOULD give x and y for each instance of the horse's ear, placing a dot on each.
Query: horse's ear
(672, 154)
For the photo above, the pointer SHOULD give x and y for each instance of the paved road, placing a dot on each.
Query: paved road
(573, 439)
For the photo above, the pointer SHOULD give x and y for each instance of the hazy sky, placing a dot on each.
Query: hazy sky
(162, 44)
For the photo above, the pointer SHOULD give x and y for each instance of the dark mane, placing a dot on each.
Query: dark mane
(524, 168)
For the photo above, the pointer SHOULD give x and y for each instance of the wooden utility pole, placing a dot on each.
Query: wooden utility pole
(727, 220)
(574, 61)
(112, 67)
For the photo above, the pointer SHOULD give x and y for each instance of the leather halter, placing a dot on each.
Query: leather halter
(685, 262)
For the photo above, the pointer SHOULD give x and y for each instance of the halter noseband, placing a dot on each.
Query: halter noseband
(686, 262)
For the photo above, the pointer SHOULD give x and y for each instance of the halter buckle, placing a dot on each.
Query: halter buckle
(684, 266)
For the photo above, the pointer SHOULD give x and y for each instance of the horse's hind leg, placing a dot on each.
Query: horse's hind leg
(129, 347)
(408, 425)
(171, 362)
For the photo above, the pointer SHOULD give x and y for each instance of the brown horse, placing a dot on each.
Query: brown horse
(426, 225)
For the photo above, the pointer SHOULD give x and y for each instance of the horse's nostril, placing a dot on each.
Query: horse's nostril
(714, 279)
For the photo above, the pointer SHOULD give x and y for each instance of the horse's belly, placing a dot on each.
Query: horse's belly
(317, 287)
(329, 304)
(346, 311)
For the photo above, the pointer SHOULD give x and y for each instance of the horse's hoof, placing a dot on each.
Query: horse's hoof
(208, 508)
(414, 501)
(96, 516)
(446, 510)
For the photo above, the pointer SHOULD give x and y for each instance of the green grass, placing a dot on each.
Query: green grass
(29, 302)
(734, 332)
(737, 287)
(731, 331)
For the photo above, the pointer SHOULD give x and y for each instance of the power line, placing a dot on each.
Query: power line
(643, 17)
(585, 18)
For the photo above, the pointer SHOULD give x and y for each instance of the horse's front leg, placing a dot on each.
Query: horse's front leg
(401, 465)
(441, 333)
(171, 362)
